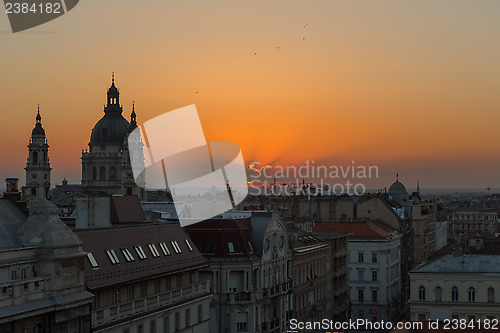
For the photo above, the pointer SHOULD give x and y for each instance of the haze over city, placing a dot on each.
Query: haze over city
(409, 87)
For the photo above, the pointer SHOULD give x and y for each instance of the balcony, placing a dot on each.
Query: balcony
(122, 310)
(14, 292)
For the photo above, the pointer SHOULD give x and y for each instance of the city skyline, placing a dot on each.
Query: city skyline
(329, 82)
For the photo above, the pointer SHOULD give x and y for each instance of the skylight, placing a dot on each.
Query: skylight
(140, 252)
(165, 249)
(112, 256)
(128, 256)
(153, 250)
(92, 260)
(189, 245)
(176, 247)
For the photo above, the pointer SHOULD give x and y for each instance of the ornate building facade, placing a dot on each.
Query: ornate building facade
(106, 164)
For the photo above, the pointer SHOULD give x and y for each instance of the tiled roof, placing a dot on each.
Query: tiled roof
(126, 209)
(299, 238)
(224, 238)
(98, 241)
(366, 230)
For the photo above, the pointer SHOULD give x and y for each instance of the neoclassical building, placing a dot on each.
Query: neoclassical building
(106, 164)
(38, 164)
(456, 286)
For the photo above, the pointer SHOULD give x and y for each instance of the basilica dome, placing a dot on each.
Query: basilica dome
(397, 188)
(112, 128)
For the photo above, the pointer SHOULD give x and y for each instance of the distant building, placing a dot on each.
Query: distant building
(250, 272)
(41, 272)
(456, 286)
(374, 268)
(106, 165)
(145, 279)
(38, 164)
(471, 221)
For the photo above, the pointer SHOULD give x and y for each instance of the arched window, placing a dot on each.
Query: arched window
(421, 293)
(33, 191)
(112, 173)
(491, 295)
(35, 158)
(129, 191)
(454, 294)
(438, 293)
(472, 294)
(102, 173)
(94, 173)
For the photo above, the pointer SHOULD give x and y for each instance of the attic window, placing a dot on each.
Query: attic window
(140, 252)
(189, 245)
(153, 250)
(176, 247)
(165, 249)
(128, 256)
(112, 256)
(231, 247)
(250, 246)
(92, 260)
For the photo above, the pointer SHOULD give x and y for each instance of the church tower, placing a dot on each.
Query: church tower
(104, 164)
(38, 164)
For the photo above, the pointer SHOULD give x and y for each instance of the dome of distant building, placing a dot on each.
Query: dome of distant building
(111, 128)
(397, 188)
(397, 192)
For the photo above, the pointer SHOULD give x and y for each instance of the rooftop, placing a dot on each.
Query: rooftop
(468, 263)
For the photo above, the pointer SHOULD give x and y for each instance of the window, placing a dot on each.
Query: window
(200, 313)
(189, 245)
(374, 257)
(177, 321)
(112, 173)
(152, 326)
(128, 256)
(94, 173)
(130, 293)
(454, 294)
(112, 256)
(472, 294)
(438, 294)
(231, 247)
(374, 275)
(361, 274)
(116, 296)
(360, 257)
(176, 247)
(374, 295)
(421, 293)
(140, 328)
(250, 246)
(92, 260)
(102, 173)
(153, 250)
(491, 295)
(361, 295)
(188, 317)
(140, 252)
(165, 249)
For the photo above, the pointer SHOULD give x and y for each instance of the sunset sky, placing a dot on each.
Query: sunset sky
(410, 86)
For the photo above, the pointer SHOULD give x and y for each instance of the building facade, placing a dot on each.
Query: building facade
(250, 272)
(41, 272)
(145, 280)
(456, 286)
(471, 221)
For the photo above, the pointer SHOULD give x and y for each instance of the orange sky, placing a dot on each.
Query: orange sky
(408, 86)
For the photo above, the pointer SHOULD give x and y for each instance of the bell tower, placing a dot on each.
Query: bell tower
(38, 163)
